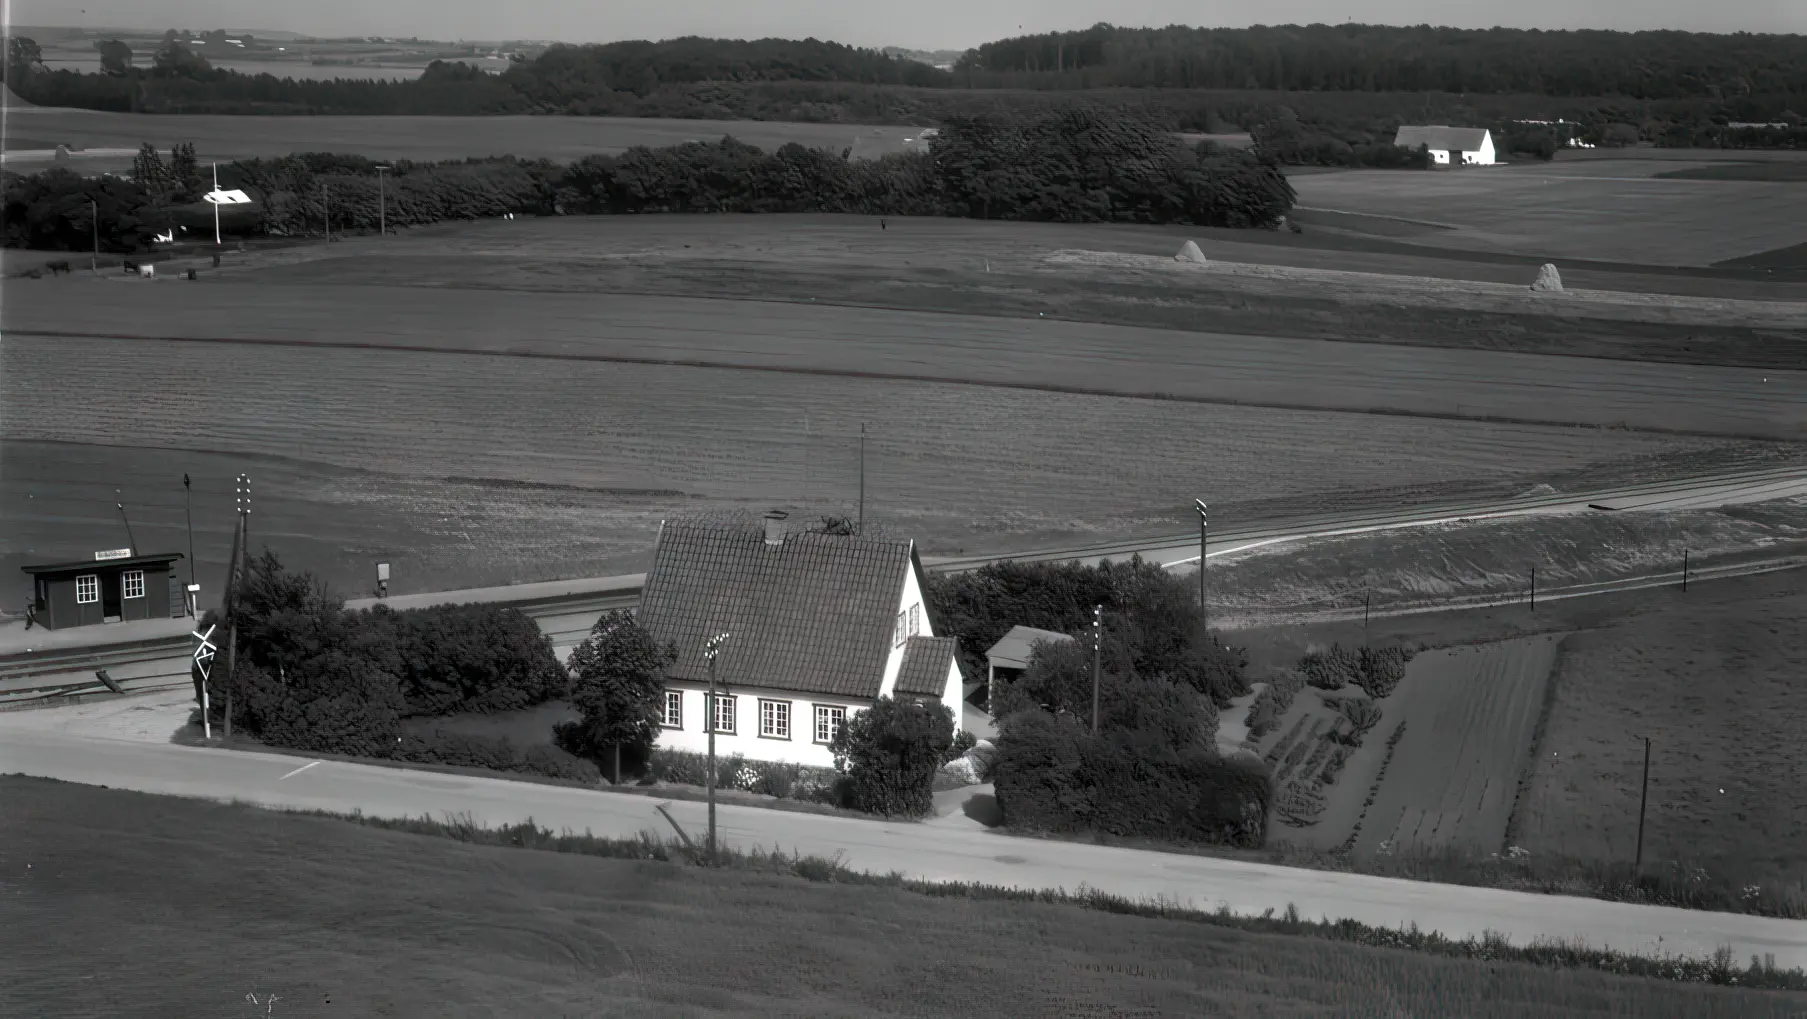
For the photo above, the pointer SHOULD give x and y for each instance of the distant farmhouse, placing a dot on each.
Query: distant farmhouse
(1450, 146)
(819, 626)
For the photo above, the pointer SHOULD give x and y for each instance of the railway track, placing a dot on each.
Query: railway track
(64, 675)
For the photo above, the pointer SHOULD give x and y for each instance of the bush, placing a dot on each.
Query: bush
(1381, 670)
(1052, 775)
(1332, 669)
(1283, 685)
(890, 753)
(467, 751)
(768, 778)
(963, 741)
(473, 658)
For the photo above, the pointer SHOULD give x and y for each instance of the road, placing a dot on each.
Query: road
(566, 609)
(929, 852)
(872, 343)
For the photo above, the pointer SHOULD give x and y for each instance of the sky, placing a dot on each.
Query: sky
(919, 24)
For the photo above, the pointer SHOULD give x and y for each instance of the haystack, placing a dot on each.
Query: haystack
(1548, 278)
(1190, 253)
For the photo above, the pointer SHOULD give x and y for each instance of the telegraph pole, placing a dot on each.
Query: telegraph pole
(216, 207)
(120, 503)
(710, 651)
(862, 517)
(241, 549)
(1643, 801)
(94, 259)
(1533, 589)
(1097, 660)
(1204, 534)
(1684, 571)
(188, 511)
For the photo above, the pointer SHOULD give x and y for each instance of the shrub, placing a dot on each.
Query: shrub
(768, 778)
(1052, 775)
(1382, 669)
(1283, 685)
(1362, 713)
(473, 658)
(963, 742)
(890, 753)
(1332, 669)
(494, 754)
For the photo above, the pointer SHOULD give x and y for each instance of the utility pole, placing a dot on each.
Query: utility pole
(862, 517)
(326, 205)
(216, 207)
(188, 511)
(1643, 801)
(710, 650)
(382, 204)
(1533, 589)
(120, 503)
(94, 259)
(1684, 571)
(241, 549)
(1367, 597)
(1204, 535)
(1097, 660)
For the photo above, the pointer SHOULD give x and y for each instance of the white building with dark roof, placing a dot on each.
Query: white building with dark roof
(819, 626)
(1458, 146)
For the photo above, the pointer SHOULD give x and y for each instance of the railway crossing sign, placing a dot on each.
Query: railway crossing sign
(204, 652)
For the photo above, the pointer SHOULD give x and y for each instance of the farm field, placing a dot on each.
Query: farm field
(1577, 210)
(1715, 682)
(351, 920)
(795, 337)
(1261, 283)
(565, 139)
(1708, 673)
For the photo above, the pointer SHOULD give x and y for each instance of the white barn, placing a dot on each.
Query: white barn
(819, 626)
(1460, 146)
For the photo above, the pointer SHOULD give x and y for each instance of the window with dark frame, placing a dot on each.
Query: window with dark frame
(829, 719)
(673, 717)
(774, 719)
(131, 584)
(87, 589)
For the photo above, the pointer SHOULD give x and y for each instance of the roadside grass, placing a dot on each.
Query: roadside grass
(1721, 969)
(201, 902)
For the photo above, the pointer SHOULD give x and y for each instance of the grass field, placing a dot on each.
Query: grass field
(1790, 172)
(565, 139)
(1424, 567)
(202, 905)
(465, 471)
(1715, 683)
(1595, 210)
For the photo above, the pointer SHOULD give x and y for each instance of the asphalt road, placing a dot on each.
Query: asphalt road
(930, 852)
(872, 343)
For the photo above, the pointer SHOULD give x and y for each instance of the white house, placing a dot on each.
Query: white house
(1465, 146)
(819, 626)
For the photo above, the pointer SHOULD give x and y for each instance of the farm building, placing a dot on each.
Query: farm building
(819, 626)
(1458, 146)
(110, 588)
(1007, 659)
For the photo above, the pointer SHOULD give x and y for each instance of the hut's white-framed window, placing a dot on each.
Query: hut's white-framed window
(87, 589)
(131, 584)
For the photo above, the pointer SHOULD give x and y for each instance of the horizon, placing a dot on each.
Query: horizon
(570, 22)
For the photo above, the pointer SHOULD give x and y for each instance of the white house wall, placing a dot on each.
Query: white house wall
(801, 748)
(912, 595)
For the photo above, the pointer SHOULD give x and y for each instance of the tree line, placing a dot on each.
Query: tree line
(1076, 166)
(1666, 88)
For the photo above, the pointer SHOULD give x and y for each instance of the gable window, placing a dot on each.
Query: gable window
(829, 719)
(897, 635)
(774, 719)
(915, 619)
(87, 589)
(673, 716)
(132, 583)
(724, 714)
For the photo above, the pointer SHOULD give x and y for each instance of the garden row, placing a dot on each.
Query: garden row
(1074, 166)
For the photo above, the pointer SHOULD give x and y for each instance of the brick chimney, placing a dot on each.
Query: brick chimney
(774, 527)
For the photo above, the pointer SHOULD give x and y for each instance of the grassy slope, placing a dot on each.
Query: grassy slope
(198, 905)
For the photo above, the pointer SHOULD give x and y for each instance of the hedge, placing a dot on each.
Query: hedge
(494, 754)
(1052, 775)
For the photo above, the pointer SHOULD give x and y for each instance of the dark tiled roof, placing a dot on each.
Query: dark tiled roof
(925, 664)
(815, 614)
(1455, 139)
